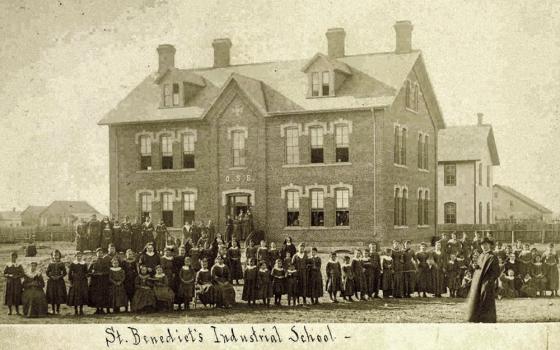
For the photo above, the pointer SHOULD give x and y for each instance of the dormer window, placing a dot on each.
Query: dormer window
(315, 84)
(170, 95)
(320, 84)
(325, 87)
(325, 74)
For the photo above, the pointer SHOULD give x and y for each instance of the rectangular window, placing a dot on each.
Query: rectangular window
(325, 86)
(425, 153)
(146, 205)
(188, 151)
(403, 147)
(420, 208)
(188, 207)
(416, 92)
(167, 95)
(488, 170)
(167, 209)
(426, 208)
(238, 148)
(420, 152)
(175, 94)
(450, 210)
(342, 143)
(397, 207)
(315, 84)
(397, 147)
(342, 207)
(317, 208)
(145, 152)
(166, 152)
(292, 146)
(292, 204)
(450, 174)
(316, 144)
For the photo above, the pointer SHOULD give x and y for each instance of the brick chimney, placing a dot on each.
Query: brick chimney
(335, 39)
(403, 31)
(166, 60)
(480, 118)
(221, 52)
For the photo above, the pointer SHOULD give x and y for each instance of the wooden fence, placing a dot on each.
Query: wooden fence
(40, 233)
(510, 232)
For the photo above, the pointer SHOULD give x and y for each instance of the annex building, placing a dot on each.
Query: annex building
(332, 148)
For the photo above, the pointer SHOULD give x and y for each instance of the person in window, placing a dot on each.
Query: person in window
(33, 297)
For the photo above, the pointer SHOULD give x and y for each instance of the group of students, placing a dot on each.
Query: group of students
(180, 275)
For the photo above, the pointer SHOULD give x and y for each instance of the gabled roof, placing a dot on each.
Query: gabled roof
(467, 143)
(181, 75)
(336, 64)
(524, 199)
(69, 208)
(10, 215)
(33, 210)
(375, 82)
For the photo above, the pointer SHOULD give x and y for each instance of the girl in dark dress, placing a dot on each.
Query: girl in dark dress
(288, 247)
(56, 288)
(234, 260)
(359, 276)
(315, 277)
(422, 274)
(195, 258)
(278, 282)
(225, 294)
(130, 268)
(375, 259)
(178, 262)
(144, 297)
(126, 235)
(187, 277)
(106, 234)
(78, 292)
(264, 286)
(273, 255)
(117, 291)
(347, 279)
(334, 277)
(368, 273)
(13, 273)
(167, 265)
(137, 239)
(437, 281)
(149, 258)
(550, 263)
(291, 283)
(250, 282)
(387, 274)
(164, 294)
(33, 297)
(300, 262)
(99, 283)
(251, 251)
(204, 285)
(452, 274)
(538, 276)
(262, 253)
(398, 268)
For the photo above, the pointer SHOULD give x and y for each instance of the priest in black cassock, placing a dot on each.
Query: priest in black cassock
(482, 297)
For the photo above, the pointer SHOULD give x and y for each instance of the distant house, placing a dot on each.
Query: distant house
(11, 218)
(466, 157)
(30, 216)
(512, 205)
(66, 213)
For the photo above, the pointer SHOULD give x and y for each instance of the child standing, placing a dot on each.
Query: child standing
(278, 278)
(13, 273)
(117, 292)
(334, 280)
(78, 292)
(347, 279)
(263, 283)
(291, 282)
(99, 283)
(315, 277)
(250, 282)
(186, 283)
(56, 289)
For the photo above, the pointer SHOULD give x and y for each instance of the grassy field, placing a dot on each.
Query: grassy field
(376, 311)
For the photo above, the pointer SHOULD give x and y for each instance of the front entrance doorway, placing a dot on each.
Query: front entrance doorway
(237, 203)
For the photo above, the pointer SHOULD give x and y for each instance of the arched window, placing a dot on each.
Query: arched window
(420, 207)
(397, 146)
(426, 207)
(480, 212)
(420, 151)
(480, 174)
(403, 147)
(408, 94)
(488, 214)
(403, 207)
(425, 153)
(396, 208)
(450, 213)
(292, 206)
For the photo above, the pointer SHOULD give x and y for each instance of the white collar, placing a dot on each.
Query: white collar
(203, 269)
(261, 270)
(167, 257)
(278, 269)
(150, 254)
(185, 267)
(11, 264)
(79, 262)
(159, 275)
(33, 274)
(115, 268)
(251, 267)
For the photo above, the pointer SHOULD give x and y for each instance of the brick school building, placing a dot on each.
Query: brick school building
(333, 149)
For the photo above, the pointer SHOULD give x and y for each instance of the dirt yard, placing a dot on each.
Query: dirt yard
(442, 310)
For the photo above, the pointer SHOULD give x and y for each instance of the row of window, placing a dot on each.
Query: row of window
(401, 134)
(450, 174)
(167, 202)
(342, 144)
(450, 213)
(317, 208)
(400, 207)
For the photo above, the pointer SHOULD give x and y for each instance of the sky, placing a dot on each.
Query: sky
(64, 64)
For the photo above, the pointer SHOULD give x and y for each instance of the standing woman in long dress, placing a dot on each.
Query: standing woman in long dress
(482, 298)
(78, 292)
(550, 260)
(13, 273)
(225, 294)
(398, 268)
(129, 265)
(375, 259)
(437, 277)
(301, 262)
(117, 292)
(334, 277)
(315, 277)
(56, 288)
(422, 273)
(234, 261)
(99, 283)
(33, 297)
(359, 276)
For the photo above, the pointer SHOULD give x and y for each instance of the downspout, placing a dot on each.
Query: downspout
(117, 172)
(474, 212)
(374, 171)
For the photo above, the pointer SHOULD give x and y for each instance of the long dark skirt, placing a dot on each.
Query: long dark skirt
(34, 302)
(78, 293)
(56, 291)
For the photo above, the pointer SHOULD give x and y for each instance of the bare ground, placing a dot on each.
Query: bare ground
(414, 310)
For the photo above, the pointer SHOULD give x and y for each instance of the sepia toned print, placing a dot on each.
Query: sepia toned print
(216, 178)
